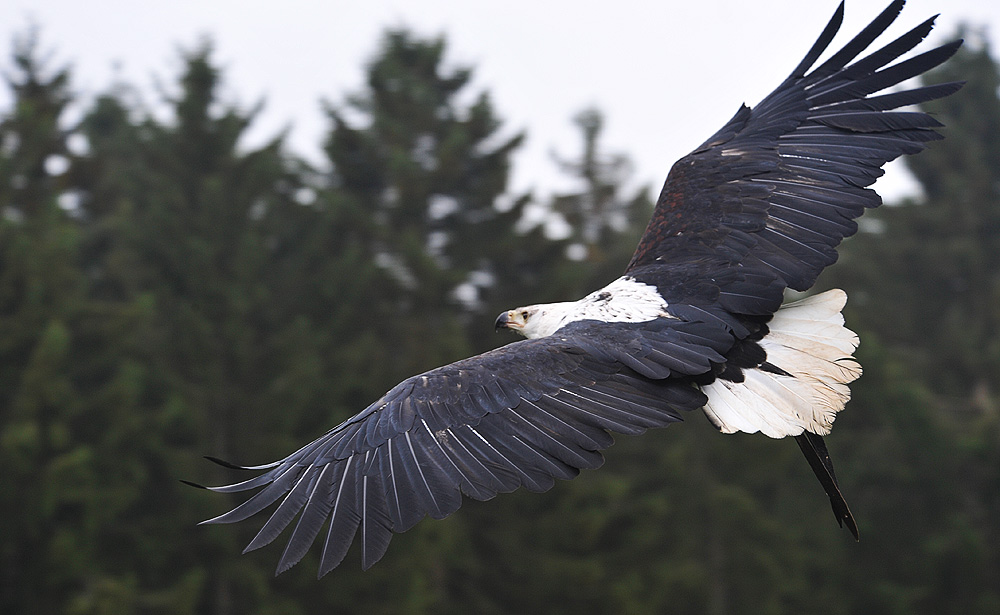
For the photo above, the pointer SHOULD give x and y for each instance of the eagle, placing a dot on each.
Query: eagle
(698, 321)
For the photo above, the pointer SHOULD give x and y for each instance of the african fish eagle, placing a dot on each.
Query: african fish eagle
(695, 322)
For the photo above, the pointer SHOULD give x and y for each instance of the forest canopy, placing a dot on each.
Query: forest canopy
(168, 293)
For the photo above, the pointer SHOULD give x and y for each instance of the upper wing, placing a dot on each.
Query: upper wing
(779, 187)
(520, 415)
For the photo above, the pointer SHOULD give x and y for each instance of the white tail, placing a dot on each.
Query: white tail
(808, 341)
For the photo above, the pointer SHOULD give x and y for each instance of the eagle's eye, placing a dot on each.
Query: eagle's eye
(524, 315)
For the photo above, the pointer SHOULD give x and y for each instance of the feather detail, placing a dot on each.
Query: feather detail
(812, 351)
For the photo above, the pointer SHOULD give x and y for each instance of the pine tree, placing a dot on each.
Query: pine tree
(190, 240)
(46, 498)
(432, 172)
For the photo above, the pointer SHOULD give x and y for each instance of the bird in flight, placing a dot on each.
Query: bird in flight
(696, 322)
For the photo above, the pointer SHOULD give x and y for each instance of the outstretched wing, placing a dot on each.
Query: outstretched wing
(779, 187)
(521, 415)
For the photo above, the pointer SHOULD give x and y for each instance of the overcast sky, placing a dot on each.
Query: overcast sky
(667, 74)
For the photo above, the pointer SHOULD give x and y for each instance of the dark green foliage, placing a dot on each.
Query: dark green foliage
(923, 425)
(167, 292)
(47, 484)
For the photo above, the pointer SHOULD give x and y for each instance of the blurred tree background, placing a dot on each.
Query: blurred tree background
(167, 293)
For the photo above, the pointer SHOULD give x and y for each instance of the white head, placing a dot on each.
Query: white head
(624, 300)
(537, 320)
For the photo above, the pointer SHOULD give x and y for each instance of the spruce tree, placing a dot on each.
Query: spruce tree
(431, 171)
(190, 236)
(46, 487)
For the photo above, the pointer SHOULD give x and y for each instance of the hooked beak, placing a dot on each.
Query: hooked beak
(502, 322)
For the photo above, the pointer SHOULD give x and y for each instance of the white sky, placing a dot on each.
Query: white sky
(667, 74)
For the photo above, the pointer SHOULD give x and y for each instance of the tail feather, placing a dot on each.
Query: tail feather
(800, 387)
(812, 353)
(819, 460)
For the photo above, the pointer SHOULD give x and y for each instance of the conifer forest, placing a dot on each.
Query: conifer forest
(168, 293)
